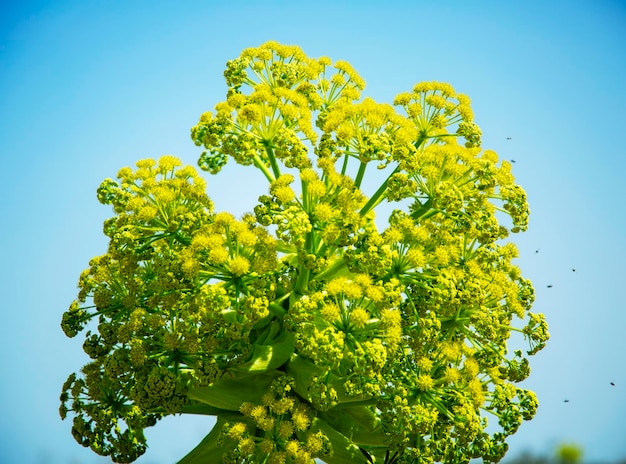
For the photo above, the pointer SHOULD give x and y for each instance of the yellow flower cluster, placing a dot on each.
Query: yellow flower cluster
(174, 290)
(435, 106)
(311, 328)
(286, 434)
(286, 87)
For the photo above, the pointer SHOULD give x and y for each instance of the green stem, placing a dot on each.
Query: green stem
(378, 195)
(514, 329)
(305, 197)
(305, 273)
(425, 208)
(344, 167)
(303, 281)
(261, 165)
(272, 159)
(277, 309)
(332, 270)
(360, 174)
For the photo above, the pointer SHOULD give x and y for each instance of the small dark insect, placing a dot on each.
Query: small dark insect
(512, 161)
(613, 383)
(565, 401)
(573, 270)
(537, 250)
(549, 286)
(508, 138)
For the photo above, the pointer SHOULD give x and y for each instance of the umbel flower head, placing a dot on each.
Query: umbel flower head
(311, 328)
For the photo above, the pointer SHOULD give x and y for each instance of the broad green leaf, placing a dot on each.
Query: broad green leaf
(358, 423)
(268, 357)
(230, 393)
(203, 409)
(302, 370)
(345, 451)
(208, 450)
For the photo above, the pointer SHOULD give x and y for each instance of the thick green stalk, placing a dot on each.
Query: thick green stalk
(331, 271)
(304, 275)
(359, 176)
(273, 163)
(378, 195)
(259, 164)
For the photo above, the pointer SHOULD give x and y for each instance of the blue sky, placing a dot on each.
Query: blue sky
(88, 87)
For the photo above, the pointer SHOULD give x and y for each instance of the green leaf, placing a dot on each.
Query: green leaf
(203, 409)
(345, 451)
(268, 357)
(358, 423)
(230, 393)
(302, 370)
(208, 449)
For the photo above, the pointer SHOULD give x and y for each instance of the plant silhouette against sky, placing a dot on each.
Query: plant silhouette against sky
(310, 327)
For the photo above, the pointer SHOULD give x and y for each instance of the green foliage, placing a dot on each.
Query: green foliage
(569, 453)
(308, 328)
(564, 453)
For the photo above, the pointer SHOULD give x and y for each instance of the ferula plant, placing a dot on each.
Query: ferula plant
(310, 328)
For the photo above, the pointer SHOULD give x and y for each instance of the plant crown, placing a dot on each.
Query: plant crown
(309, 329)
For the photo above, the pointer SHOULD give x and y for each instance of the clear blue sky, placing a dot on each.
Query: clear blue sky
(87, 87)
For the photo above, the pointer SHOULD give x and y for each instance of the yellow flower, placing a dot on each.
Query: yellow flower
(352, 290)
(346, 68)
(147, 213)
(164, 195)
(416, 258)
(285, 429)
(218, 255)
(168, 163)
(359, 317)
(300, 419)
(266, 446)
(424, 364)
(424, 382)
(336, 286)
(402, 99)
(247, 446)
(314, 442)
(442, 255)
(250, 114)
(224, 219)
(470, 368)
(316, 188)
(475, 391)
(266, 423)
(282, 406)
(247, 238)
(330, 312)
(239, 265)
(237, 431)
(143, 164)
(283, 194)
(452, 375)
(324, 212)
